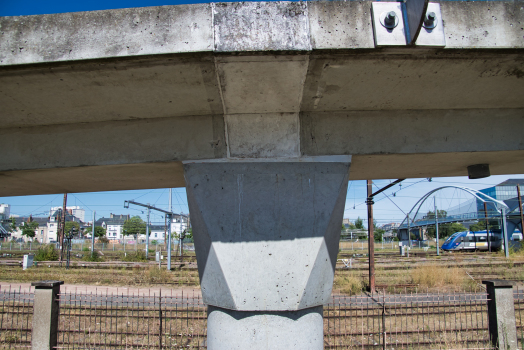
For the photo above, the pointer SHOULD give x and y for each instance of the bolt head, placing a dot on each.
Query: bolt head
(430, 19)
(390, 19)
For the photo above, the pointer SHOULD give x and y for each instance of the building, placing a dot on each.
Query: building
(41, 233)
(504, 190)
(53, 221)
(5, 211)
(389, 230)
(76, 211)
(114, 225)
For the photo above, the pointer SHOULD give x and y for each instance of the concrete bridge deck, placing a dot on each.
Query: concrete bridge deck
(117, 99)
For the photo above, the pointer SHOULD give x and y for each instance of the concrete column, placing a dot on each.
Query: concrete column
(302, 329)
(266, 238)
(501, 314)
(45, 315)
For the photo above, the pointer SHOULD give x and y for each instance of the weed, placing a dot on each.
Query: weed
(93, 257)
(137, 256)
(348, 284)
(46, 252)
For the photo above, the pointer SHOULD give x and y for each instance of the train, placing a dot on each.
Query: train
(471, 241)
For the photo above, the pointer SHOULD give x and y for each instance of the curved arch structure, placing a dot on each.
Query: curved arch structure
(490, 201)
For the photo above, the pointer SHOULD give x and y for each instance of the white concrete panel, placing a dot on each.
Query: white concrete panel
(238, 330)
(262, 84)
(480, 24)
(102, 34)
(265, 26)
(270, 277)
(94, 92)
(263, 135)
(340, 25)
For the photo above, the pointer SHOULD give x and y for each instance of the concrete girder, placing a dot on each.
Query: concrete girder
(304, 80)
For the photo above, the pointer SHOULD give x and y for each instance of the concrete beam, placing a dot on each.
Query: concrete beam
(183, 82)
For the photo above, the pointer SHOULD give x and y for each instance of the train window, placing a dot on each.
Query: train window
(470, 239)
(482, 238)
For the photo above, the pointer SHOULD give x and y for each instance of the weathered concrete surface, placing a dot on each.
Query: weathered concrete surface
(261, 26)
(92, 178)
(113, 33)
(340, 25)
(501, 314)
(263, 135)
(266, 232)
(194, 86)
(45, 318)
(114, 142)
(496, 24)
(411, 131)
(227, 329)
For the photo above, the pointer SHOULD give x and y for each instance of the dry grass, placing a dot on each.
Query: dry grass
(102, 277)
(430, 276)
(348, 283)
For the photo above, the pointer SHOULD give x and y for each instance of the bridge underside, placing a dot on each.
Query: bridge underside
(129, 123)
(85, 109)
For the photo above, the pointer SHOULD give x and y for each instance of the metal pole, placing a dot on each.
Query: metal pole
(520, 210)
(147, 232)
(371, 238)
(505, 232)
(93, 233)
(409, 233)
(436, 224)
(168, 216)
(487, 226)
(62, 229)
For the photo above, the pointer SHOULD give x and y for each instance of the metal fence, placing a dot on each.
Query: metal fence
(153, 320)
(16, 319)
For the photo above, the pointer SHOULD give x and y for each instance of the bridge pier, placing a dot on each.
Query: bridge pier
(266, 235)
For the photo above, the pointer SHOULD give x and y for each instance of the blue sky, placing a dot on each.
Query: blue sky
(104, 203)
(386, 210)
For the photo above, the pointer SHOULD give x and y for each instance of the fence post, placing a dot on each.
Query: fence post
(45, 315)
(501, 314)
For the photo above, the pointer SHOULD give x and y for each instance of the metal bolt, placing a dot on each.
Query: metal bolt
(390, 18)
(430, 19)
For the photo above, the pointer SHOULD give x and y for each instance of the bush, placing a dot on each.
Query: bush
(85, 249)
(46, 252)
(103, 239)
(134, 256)
(93, 257)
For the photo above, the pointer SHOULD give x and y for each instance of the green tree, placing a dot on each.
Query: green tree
(378, 233)
(71, 224)
(99, 231)
(445, 230)
(481, 226)
(134, 226)
(441, 214)
(359, 223)
(29, 228)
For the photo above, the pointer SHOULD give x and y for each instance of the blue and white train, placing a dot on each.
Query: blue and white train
(471, 241)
